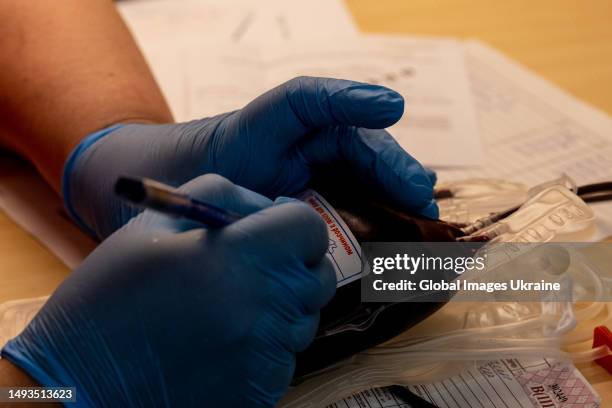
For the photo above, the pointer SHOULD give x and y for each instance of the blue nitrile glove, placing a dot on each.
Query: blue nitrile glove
(165, 313)
(270, 146)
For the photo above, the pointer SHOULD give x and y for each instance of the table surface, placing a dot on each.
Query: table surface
(567, 42)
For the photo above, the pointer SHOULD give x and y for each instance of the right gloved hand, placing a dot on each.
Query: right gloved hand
(165, 313)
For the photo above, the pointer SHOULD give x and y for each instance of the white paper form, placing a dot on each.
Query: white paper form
(167, 29)
(256, 22)
(234, 76)
(297, 20)
(374, 398)
(439, 126)
(513, 384)
(171, 32)
(508, 383)
(532, 131)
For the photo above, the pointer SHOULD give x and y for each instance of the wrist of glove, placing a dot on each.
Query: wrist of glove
(160, 152)
(271, 146)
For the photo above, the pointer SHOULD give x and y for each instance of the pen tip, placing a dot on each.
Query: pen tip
(130, 189)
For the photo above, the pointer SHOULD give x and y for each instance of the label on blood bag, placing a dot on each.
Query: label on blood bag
(344, 250)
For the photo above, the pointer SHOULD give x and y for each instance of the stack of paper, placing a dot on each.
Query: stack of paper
(205, 70)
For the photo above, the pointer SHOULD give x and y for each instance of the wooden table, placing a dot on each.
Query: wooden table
(568, 42)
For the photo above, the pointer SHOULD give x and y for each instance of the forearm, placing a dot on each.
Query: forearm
(68, 68)
(12, 376)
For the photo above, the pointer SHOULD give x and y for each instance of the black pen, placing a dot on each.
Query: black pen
(409, 397)
(160, 197)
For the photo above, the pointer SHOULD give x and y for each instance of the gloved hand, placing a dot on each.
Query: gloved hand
(270, 146)
(165, 313)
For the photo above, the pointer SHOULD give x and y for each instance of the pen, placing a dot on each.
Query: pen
(409, 397)
(160, 197)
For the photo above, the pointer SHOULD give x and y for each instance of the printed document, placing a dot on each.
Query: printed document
(439, 126)
(496, 384)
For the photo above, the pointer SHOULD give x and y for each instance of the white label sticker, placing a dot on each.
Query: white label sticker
(344, 250)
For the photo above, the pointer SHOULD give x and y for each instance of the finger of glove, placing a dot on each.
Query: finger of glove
(288, 112)
(286, 233)
(375, 155)
(433, 177)
(292, 335)
(314, 287)
(302, 332)
(319, 286)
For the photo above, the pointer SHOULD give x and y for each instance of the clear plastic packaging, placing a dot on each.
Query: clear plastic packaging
(462, 335)
(554, 214)
(465, 201)
(472, 333)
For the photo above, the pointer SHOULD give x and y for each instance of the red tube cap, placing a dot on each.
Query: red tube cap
(602, 336)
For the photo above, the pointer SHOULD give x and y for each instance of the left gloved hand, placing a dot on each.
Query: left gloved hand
(166, 313)
(270, 146)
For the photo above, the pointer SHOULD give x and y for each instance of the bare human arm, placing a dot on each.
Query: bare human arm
(12, 376)
(68, 69)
